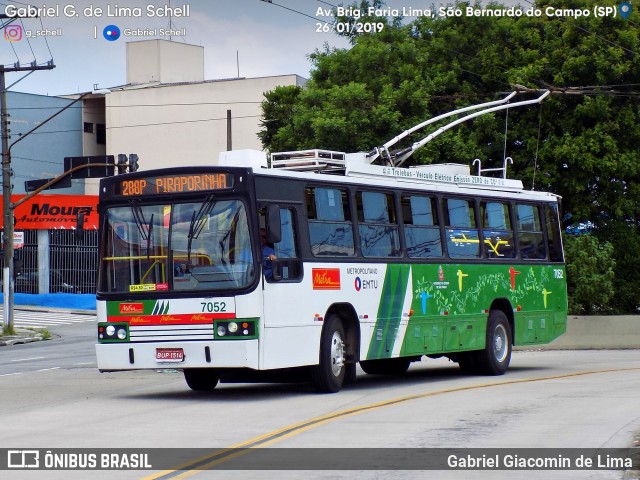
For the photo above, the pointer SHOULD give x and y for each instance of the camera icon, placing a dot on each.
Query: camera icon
(13, 33)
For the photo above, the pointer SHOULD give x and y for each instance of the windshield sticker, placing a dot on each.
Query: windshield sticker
(143, 287)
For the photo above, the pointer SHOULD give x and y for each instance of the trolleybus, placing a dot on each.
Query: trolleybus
(374, 264)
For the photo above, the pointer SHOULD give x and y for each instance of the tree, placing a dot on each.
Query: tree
(590, 274)
(626, 283)
(278, 112)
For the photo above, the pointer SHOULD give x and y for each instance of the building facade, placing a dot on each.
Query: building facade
(168, 114)
(40, 154)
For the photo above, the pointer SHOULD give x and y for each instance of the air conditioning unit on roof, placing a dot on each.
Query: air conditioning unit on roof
(309, 160)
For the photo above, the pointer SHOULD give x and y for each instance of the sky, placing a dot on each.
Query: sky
(246, 38)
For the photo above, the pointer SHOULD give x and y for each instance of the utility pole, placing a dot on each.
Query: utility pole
(7, 210)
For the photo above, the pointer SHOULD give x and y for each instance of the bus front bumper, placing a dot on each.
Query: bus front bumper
(158, 355)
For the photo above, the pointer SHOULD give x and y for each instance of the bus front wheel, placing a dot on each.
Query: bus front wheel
(328, 376)
(201, 379)
(495, 358)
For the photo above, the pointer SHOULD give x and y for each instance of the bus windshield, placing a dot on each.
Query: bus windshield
(176, 247)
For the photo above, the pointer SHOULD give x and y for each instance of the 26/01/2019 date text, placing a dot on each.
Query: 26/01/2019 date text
(349, 27)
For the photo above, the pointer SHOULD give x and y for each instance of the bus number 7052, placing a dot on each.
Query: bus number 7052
(213, 307)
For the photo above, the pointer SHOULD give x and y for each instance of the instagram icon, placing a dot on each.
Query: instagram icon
(13, 33)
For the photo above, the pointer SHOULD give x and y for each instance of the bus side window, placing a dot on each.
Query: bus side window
(530, 236)
(421, 231)
(377, 225)
(462, 234)
(286, 247)
(497, 230)
(287, 266)
(553, 232)
(330, 227)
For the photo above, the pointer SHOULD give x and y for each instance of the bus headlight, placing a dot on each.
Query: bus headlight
(113, 332)
(233, 329)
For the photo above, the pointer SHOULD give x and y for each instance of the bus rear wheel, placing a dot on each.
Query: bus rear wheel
(328, 376)
(201, 379)
(495, 358)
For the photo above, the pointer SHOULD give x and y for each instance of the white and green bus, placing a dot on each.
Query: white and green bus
(376, 265)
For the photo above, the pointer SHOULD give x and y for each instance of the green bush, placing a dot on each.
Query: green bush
(590, 274)
(625, 238)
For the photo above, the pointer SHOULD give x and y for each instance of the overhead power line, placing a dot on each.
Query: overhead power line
(181, 122)
(315, 19)
(195, 104)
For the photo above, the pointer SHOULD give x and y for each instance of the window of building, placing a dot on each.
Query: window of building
(101, 134)
(88, 127)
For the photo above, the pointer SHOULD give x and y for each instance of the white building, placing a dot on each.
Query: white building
(168, 114)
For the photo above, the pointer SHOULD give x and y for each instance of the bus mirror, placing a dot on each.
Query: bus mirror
(274, 229)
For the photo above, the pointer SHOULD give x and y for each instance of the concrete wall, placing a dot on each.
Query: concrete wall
(186, 124)
(162, 61)
(598, 332)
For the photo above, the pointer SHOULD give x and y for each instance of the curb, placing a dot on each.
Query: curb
(24, 337)
(29, 308)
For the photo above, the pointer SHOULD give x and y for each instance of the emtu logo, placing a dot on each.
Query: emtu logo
(13, 33)
(111, 33)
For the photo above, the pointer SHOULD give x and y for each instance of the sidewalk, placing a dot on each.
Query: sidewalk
(27, 335)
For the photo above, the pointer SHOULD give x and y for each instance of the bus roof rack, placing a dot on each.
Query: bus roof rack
(326, 161)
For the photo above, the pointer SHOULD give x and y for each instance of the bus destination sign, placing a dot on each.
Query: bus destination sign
(182, 183)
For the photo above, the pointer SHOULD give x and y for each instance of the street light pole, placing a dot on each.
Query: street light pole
(7, 241)
(7, 208)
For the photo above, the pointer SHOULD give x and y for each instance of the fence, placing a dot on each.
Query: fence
(72, 265)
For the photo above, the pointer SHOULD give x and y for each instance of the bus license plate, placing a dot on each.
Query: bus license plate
(169, 355)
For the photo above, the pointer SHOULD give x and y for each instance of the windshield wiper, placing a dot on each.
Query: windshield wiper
(145, 233)
(149, 235)
(197, 224)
